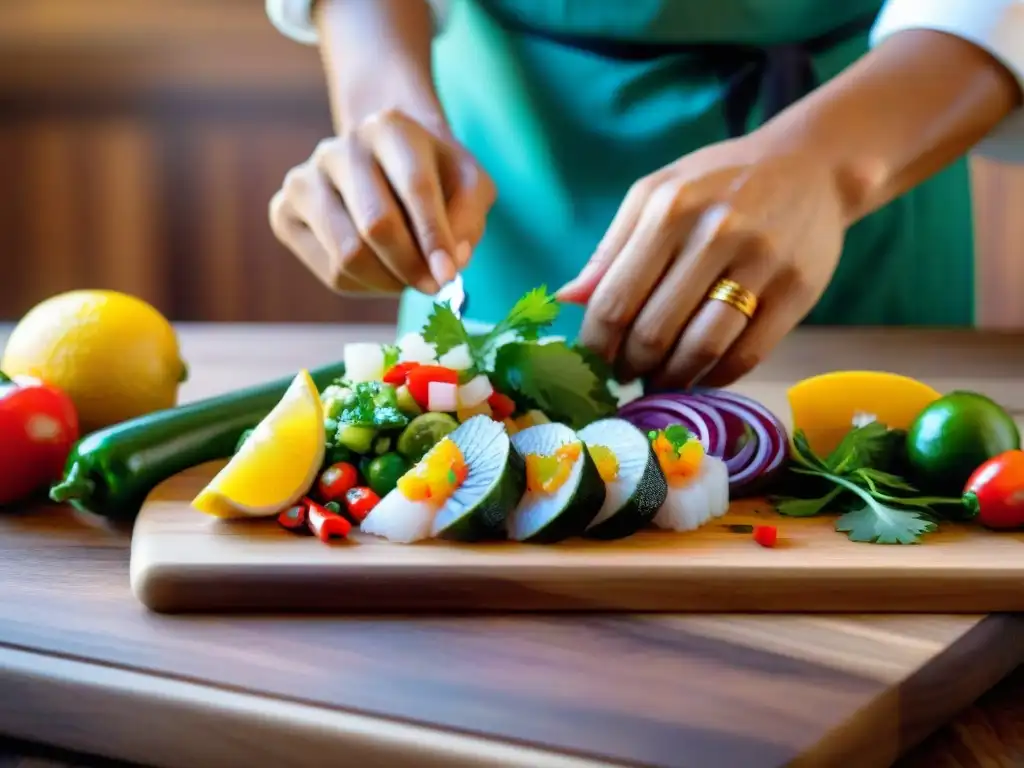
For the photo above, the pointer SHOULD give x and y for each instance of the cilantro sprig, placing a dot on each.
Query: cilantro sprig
(881, 506)
(565, 381)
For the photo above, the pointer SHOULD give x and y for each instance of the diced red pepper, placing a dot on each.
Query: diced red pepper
(359, 501)
(420, 378)
(397, 374)
(325, 524)
(502, 406)
(336, 481)
(294, 519)
(766, 535)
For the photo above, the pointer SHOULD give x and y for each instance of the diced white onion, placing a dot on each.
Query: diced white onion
(442, 397)
(364, 362)
(413, 349)
(457, 358)
(475, 391)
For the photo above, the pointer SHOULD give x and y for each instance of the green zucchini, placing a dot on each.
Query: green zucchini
(495, 483)
(111, 471)
(546, 518)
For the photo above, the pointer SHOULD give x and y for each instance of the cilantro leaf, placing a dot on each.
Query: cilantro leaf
(444, 329)
(535, 311)
(371, 404)
(793, 507)
(876, 523)
(391, 354)
(803, 454)
(860, 447)
(554, 378)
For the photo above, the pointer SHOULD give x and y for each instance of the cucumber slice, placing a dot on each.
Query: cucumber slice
(382, 445)
(544, 518)
(356, 439)
(634, 497)
(495, 482)
(423, 433)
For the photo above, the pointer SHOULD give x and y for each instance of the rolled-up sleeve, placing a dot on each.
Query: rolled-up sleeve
(996, 26)
(294, 18)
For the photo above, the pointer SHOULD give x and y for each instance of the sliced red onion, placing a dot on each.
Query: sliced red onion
(697, 416)
(713, 415)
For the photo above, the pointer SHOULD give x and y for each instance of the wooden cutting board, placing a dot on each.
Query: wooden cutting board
(183, 561)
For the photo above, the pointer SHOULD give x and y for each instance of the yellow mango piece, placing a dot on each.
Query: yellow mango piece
(828, 406)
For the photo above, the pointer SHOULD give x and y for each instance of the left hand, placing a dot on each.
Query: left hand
(774, 223)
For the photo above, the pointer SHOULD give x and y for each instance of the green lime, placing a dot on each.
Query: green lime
(955, 435)
(382, 473)
(423, 433)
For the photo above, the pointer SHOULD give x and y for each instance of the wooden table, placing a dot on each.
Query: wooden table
(84, 667)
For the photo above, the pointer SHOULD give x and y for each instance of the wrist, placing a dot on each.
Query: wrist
(377, 57)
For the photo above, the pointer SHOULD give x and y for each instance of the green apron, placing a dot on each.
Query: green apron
(567, 102)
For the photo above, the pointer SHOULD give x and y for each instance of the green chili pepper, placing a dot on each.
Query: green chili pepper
(110, 472)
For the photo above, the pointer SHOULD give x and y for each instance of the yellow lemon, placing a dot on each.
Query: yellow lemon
(828, 406)
(277, 464)
(115, 355)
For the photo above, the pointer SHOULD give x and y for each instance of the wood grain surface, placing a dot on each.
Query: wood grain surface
(185, 561)
(85, 667)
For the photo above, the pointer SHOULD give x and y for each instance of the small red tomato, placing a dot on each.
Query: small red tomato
(325, 524)
(995, 491)
(38, 427)
(766, 535)
(336, 480)
(359, 501)
(294, 518)
(502, 406)
(397, 374)
(422, 376)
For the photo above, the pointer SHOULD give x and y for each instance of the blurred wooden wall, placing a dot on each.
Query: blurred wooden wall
(140, 141)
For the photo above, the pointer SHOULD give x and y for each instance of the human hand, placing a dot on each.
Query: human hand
(387, 204)
(772, 223)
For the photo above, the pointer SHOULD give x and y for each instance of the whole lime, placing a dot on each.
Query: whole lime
(955, 435)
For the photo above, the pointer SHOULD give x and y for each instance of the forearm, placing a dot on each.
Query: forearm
(907, 109)
(377, 56)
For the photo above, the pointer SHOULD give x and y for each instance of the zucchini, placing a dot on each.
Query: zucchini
(545, 518)
(495, 482)
(111, 471)
(639, 489)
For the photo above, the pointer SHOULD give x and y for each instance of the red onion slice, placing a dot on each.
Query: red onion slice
(780, 443)
(699, 417)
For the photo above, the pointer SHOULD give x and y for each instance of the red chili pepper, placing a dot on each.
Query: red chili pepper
(502, 406)
(336, 480)
(995, 491)
(359, 501)
(325, 524)
(397, 374)
(294, 519)
(38, 427)
(422, 376)
(766, 535)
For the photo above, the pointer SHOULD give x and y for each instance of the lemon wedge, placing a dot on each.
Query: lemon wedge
(277, 464)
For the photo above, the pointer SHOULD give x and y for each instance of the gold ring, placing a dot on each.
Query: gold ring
(735, 295)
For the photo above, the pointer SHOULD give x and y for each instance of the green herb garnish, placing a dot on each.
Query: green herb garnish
(884, 508)
(370, 404)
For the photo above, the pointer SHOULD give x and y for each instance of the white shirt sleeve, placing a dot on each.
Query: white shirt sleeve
(293, 18)
(997, 26)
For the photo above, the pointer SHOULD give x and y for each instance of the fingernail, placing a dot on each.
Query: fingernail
(441, 266)
(463, 251)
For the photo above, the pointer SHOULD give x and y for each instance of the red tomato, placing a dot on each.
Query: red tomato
(422, 376)
(995, 491)
(336, 480)
(359, 501)
(766, 535)
(38, 427)
(324, 523)
(397, 374)
(502, 406)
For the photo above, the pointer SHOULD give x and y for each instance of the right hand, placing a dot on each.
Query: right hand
(388, 204)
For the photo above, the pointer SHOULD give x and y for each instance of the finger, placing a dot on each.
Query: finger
(321, 210)
(471, 200)
(580, 288)
(630, 278)
(780, 310)
(375, 213)
(714, 328)
(407, 156)
(301, 241)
